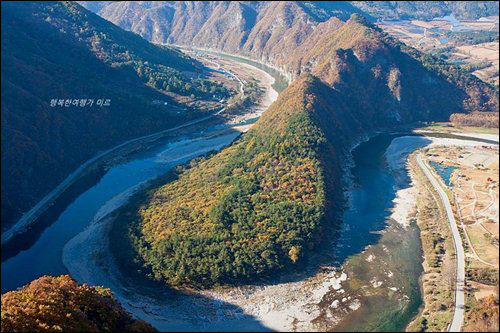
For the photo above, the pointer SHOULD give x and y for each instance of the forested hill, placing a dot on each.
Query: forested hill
(259, 205)
(385, 81)
(61, 67)
(252, 209)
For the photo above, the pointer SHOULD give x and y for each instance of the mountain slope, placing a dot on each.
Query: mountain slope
(398, 84)
(55, 51)
(253, 208)
(186, 22)
(59, 304)
(307, 36)
(259, 205)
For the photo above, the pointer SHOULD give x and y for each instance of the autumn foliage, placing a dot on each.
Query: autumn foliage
(55, 50)
(250, 210)
(59, 304)
(475, 119)
(483, 316)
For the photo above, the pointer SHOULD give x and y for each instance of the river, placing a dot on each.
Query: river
(44, 257)
(39, 252)
(69, 245)
(371, 279)
(371, 283)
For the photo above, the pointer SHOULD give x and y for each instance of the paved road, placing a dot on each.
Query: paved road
(228, 72)
(27, 219)
(458, 315)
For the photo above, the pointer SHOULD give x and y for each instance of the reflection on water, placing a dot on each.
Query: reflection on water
(444, 172)
(381, 257)
(44, 257)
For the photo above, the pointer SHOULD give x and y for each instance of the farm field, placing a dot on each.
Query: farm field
(475, 192)
(471, 44)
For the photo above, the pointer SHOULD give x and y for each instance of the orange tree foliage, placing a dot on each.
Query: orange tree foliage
(251, 209)
(476, 119)
(59, 304)
(483, 315)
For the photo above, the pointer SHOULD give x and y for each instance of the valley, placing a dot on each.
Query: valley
(259, 166)
(132, 75)
(179, 145)
(129, 146)
(89, 262)
(270, 303)
(472, 44)
(341, 294)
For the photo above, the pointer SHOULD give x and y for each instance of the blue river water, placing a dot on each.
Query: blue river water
(444, 172)
(372, 198)
(44, 257)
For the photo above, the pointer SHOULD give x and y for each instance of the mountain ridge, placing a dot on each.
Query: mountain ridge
(196, 23)
(318, 47)
(358, 81)
(251, 209)
(59, 51)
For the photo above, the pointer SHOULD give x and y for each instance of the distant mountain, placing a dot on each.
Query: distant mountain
(247, 212)
(260, 205)
(395, 10)
(56, 52)
(235, 22)
(59, 304)
(298, 37)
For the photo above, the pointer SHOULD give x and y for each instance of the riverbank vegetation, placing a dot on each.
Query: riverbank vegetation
(472, 37)
(448, 128)
(475, 119)
(438, 279)
(482, 297)
(483, 315)
(74, 84)
(172, 80)
(240, 102)
(482, 310)
(252, 209)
